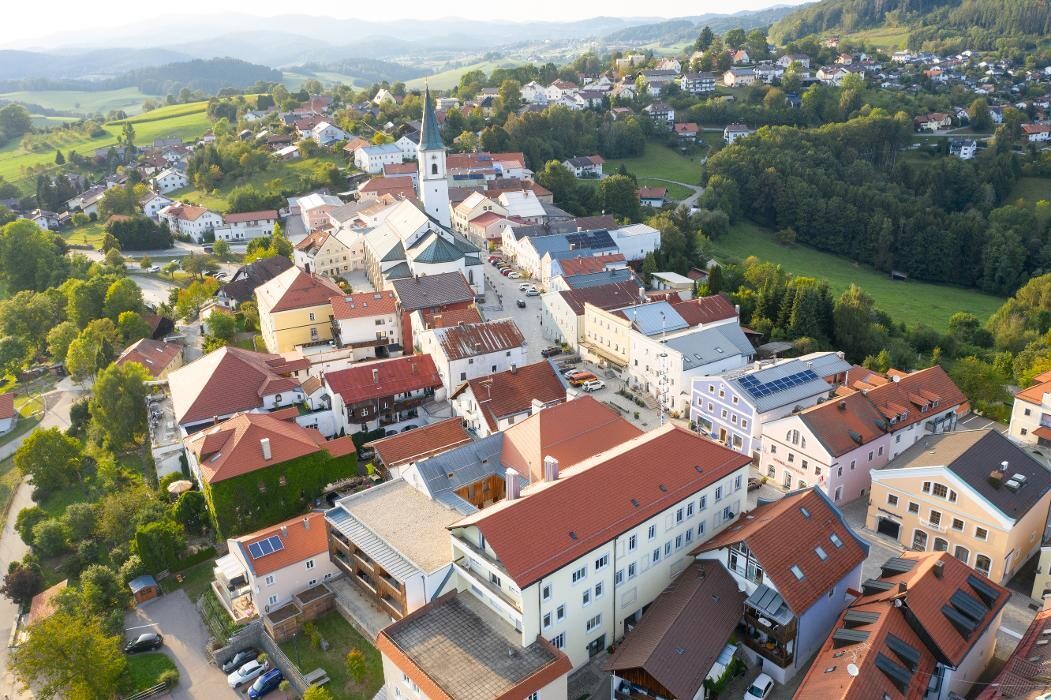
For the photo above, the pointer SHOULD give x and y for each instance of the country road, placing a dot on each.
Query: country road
(690, 201)
(56, 415)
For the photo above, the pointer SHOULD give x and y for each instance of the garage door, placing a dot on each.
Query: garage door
(888, 527)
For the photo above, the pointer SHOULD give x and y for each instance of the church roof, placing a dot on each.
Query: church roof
(430, 136)
(438, 250)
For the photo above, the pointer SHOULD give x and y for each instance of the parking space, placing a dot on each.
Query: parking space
(185, 641)
(501, 297)
(977, 422)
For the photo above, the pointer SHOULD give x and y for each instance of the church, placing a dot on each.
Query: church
(410, 242)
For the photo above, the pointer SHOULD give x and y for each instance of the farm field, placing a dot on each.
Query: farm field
(85, 102)
(882, 37)
(1032, 190)
(293, 80)
(450, 78)
(184, 121)
(659, 161)
(910, 302)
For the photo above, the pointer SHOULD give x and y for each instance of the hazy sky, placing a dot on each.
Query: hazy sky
(29, 20)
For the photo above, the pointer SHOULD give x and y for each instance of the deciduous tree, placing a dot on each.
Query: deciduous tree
(118, 406)
(50, 458)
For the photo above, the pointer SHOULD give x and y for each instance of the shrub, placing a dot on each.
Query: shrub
(27, 519)
(313, 636)
(170, 678)
(50, 537)
(356, 665)
(80, 517)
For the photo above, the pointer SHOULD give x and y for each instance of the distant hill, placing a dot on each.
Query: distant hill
(686, 28)
(366, 70)
(979, 23)
(83, 64)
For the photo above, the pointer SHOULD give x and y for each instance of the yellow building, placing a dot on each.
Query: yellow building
(294, 310)
(974, 494)
(607, 337)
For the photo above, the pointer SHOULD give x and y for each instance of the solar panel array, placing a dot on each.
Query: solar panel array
(760, 389)
(263, 547)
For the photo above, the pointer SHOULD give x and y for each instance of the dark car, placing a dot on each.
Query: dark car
(409, 427)
(551, 351)
(266, 683)
(521, 303)
(239, 659)
(145, 642)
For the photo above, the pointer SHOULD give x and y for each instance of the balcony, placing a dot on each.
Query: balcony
(480, 579)
(769, 650)
(480, 553)
(783, 634)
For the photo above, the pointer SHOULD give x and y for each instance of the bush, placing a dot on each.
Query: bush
(310, 631)
(27, 519)
(80, 517)
(169, 678)
(50, 537)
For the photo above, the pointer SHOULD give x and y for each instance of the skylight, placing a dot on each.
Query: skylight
(797, 572)
(835, 540)
(804, 511)
(821, 553)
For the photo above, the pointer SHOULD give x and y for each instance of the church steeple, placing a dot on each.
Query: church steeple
(430, 156)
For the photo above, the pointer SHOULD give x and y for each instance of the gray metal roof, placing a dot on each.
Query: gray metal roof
(655, 317)
(772, 373)
(462, 466)
(596, 279)
(379, 551)
(826, 363)
(770, 604)
(710, 345)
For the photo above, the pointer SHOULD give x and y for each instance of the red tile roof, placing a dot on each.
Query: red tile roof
(1034, 394)
(686, 128)
(7, 406)
(234, 447)
(705, 309)
(606, 296)
(812, 520)
(363, 305)
(421, 443)
(45, 603)
(408, 168)
(314, 239)
(469, 340)
(434, 318)
(154, 355)
(845, 423)
(1025, 673)
(228, 380)
(266, 214)
(399, 185)
(377, 380)
(915, 393)
(569, 517)
(510, 393)
(652, 192)
(302, 537)
(295, 289)
(589, 264)
(186, 212)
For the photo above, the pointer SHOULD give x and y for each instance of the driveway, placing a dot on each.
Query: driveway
(185, 641)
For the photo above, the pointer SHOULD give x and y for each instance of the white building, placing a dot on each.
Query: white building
(325, 134)
(636, 240)
(188, 220)
(408, 148)
(433, 185)
(474, 350)
(152, 203)
(366, 321)
(732, 132)
(371, 159)
(169, 180)
(245, 226)
(1031, 413)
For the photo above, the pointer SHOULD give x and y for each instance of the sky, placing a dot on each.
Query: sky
(36, 21)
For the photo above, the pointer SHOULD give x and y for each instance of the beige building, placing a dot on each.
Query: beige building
(474, 206)
(607, 336)
(294, 310)
(974, 494)
(1031, 414)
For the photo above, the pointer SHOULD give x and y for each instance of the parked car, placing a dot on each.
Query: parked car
(582, 378)
(593, 385)
(506, 272)
(523, 287)
(266, 683)
(144, 642)
(520, 303)
(240, 659)
(551, 351)
(760, 688)
(389, 432)
(153, 268)
(410, 426)
(249, 672)
(514, 276)
(754, 483)
(207, 249)
(571, 372)
(532, 292)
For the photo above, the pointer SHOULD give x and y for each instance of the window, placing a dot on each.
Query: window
(724, 414)
(579, 574)
(547, 620)
(656, 555)
(632, 568)
(678, 542)
(680, 515)
(545, 592)
(598, 590)
(820, 553)
(602, 562)
(586, 598)
(667, 548)
(711, 389)
(737, 483)
(957, 524)
(853, 463)
(744, 423)
(914, 507)
(733, 419)
(791, 456)
(703, 503)
(939, 490)
(535, 695)
(870, 455)
(935, 518)
(805, 465)
(940, 545)
(880, 451)
(310, 564)
(839, 471)
(961, 553)
(689, 536)
(269, 580)
(1027, 411)
(892, 500)
(312, 316)
(718, 493)
(836, 540)
(735, 400)
(839, 493)
(494, 579)
(700, 528)
(797, 572)
(632, 543)
(618, 578)
(980, 533)
(982, 563)
(272, 600)
(689, 510)
(312, 582)
(594, 622)
(560, 612)
(559, 640)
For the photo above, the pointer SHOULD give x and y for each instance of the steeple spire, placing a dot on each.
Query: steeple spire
(430, 135)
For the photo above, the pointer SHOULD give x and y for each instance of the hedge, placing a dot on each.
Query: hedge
(367, 436)
(194, 559)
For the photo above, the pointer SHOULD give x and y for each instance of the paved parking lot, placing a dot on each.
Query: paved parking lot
(185, 641)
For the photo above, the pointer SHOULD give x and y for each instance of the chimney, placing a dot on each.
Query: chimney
(535, 406)
(511, 487)
(376, 376)
(306, 522)
(514, 368)
(550, 468)
(939, 566)
(284, 532)
(264, 443)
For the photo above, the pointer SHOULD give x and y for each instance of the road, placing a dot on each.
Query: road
(56, 415)
(154, 289)
(690, 201)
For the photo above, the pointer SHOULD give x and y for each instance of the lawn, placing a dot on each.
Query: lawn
(911, 302)
(890, 38)
(1032, 189)
(30, 411)
(182, 121)
(86, 102)
(291, 173)
(144, 670)
(89, 234)
(448, 79)
(341, 638)
(659, 161)
(675, 191)
(10, 478)
(195, 580)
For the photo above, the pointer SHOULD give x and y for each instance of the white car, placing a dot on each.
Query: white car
(514, 276)
(593, 385)
(760, 688)
(523, 287)
(249, 672)
(153, 268)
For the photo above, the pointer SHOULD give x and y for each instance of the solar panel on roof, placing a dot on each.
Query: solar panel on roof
(254, 550)
(266, 546)
(263, 547)
(899, 675)
(904, 651)
(968, 605)
(276, 543)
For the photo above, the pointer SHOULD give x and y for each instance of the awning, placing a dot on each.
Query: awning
(769, 603)
(229, 567)
(1043, 432)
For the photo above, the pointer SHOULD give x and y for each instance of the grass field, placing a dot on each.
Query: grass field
(289, 172)
(659, 161)
(882, 37)
(183, 121)
(1032, 189)
(450, 78)
(144, 670)
(911, 302)
(341, 638)
(83, 101)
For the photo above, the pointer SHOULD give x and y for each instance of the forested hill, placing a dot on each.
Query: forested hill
(977, 21)
(209, 76)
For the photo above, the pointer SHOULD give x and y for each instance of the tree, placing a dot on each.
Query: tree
(145, 262)
(195, 264)
(190, 300)
(159, 544)
(852, 319)
(14, 121)
(171, 268)
(132, 326)
(50, 537)
(704, 39)
(50, 458)
(118, 406)
(221, 249)
(127, 134)
(31, 258)
(191, 511)
(619, 197)
(94, 348)
(356, 665)
(22, 583)
(649, 267)
(80, 518)
(222, 327)
(101, 591)
(13, 354)
(734, 39)
(58, 652)
(59, 158)
(978, 115)
(123, 295)
(26, 520)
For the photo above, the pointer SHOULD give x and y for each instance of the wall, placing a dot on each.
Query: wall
(558, 321)
(746, 429)
(1021, 422)
(963, 678)
(284, 330)
(289, 580)
(611, 333)
(816, 622)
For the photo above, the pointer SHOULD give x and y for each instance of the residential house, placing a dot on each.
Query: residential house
(399, 186)
(681, 285)
(563, 312)
(497, 401)
(368, 322)
(1023, 675)
(586, 265)
(697, 83)
(734, 408)
(796, 586)
(559, 89)
(247, 278)
(832, 75)
(740, 56)
(188, 220)
(231, 379)
(244, 226)
(1036, 133)
(402, 451)
(636, 240)
(169, 180)
(932, 122)
(687, 132)
(431, 294)
(534, 93)
(788, 59)
(47, 220)
(768, 72)
(661, 114)
(152, 203)
(585, 166)
(732, 132)
(88, 200)
(158, 357)
(265, 569)
(486, 230)
(8, 414)
(537, 254)
(924, 628)
(474, 350)
(325, 253)
(973, 493)
(371, 159)
(325, 134)
(739, 77)
(399, 563)
(1031, 413)
(294, 310)
(471, 208)
(577, 555)
(837, 444)
(652, 196)
(409, 170)
(964, 149)
(657, 80)
(375, 394)
(314, 209)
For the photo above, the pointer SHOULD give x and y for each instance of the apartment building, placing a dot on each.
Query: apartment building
(367, 322)
(469, 351)
(373, 394)
(294, 310)
(563, 312)
(1031, 413)
(497, 401)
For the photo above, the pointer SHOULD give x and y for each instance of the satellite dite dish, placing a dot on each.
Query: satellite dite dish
(852, 670)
